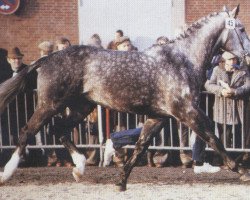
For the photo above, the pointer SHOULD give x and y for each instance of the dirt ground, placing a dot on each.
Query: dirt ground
(144, 183)
(110, 175)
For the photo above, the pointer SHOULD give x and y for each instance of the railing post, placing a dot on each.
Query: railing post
(107, 123)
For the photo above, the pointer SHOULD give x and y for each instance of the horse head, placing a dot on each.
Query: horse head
(234, 37)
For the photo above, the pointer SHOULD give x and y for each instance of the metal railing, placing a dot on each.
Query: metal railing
(174, 136)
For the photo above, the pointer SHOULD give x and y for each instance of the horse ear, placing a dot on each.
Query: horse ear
(225, 9)
(235, 11)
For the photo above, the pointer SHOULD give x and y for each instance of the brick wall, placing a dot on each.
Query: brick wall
(36, 21)
(39, 20)
(196, 9)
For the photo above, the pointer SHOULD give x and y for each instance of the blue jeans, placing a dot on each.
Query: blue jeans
(198, 152)
(127, 137)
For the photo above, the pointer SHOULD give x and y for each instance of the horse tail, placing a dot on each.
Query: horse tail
(11, 87)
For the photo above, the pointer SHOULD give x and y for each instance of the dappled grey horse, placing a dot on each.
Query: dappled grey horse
(161, 81)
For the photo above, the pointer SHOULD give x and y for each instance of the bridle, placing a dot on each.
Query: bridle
(244, 52)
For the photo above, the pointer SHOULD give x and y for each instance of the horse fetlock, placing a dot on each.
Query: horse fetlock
(232, 165)
(77, 173)
(242, 170)
(2, 179)
(79, 160)
(245, 177)
(122, 186)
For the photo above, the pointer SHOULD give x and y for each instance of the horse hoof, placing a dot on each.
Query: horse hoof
(245, 177)
(121, 187)
(77, 174)
(1, 179)
(242, 171)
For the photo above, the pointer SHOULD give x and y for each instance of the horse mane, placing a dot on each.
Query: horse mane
(194, 26)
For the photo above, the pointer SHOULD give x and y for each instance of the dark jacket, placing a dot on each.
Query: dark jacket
(22, 107)
(5, 69)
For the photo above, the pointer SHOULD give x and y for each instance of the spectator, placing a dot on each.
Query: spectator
(124, 44)
(91, 127)
(158, 158)
(62, 43)
(5, 73)
(92, 131)
(162, 40)
(112, 45)
(15, 59)
(231, 85)
(95, 41)
(185, 155)
(45, 48)
(61, 157)
(5, 69)
(198, 155)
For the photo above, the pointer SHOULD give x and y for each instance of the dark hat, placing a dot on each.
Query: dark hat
(63, 40)
(120, 40)
(216, 60)
(14, 53)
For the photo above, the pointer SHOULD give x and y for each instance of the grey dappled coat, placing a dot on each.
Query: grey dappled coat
(240, 81)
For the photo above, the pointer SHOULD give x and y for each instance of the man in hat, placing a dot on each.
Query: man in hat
(15, 59)
(232, 82)
(24, 100)
(62, 43)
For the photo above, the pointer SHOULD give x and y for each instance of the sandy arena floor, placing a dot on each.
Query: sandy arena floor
(144, 183)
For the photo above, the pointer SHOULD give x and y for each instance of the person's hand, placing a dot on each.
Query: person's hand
(227, 92)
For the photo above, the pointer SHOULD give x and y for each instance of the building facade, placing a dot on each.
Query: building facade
(39, 20)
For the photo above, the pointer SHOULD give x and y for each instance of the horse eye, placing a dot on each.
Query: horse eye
(242, 30)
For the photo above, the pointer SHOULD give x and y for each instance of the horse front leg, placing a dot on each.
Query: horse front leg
(31, 128)
(150, 129)
(66, 124)
(77, 157)
(202, 126)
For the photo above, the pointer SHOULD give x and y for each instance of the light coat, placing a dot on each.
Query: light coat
(224, 107)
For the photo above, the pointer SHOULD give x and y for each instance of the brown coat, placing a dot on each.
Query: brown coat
(240, 81)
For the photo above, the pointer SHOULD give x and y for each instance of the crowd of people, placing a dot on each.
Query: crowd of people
(228, 80)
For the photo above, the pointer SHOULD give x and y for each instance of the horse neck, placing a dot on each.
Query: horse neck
(199, 46)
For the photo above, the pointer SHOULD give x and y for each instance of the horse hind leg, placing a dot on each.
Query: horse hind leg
(150, 128)
(37, 120)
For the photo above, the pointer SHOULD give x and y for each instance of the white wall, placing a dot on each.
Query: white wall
(142, 20)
